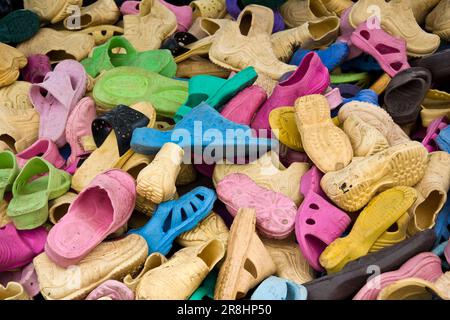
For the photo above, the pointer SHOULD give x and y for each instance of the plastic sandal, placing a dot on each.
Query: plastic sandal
(364, 63)
(43, 148)
(63, 88)
(100, 209)
(442, 227)
(13, 291)
(177, 43)
(12, 60)
(101, 12)
(130, 7)
(395, 234)
(104, 58)
(174, 217)
(166, 95)
(9, 170)
(381, 84)
(331, 57)
(274, 288)
(417, 289)
(443, 139)
(37, 68)
(365, 95)
(58, 207)
(28, 208)
(18, 26)
(206, 289)
(183, 14)
(113, 290)
(20, 247)
(433, 130)
(26, 277)
(436, 63)
(359, 78)
(284, 127)
(235, 10)
(101, 34)
(51, 10)
(153, 261)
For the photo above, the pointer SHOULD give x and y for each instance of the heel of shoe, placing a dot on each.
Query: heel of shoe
(408, 166)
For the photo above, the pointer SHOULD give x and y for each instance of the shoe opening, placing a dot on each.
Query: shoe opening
(246, 23)
(426, 211)
(10, 142)
(212, 253)
(59, 55)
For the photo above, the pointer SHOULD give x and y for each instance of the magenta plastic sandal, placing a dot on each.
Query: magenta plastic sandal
(130, 8)
(433, 130)
(243, 106)
(79, 132)
(26, 277)
(55, 98)
(311, 77)
(113, 290)
(19, 247)
(389, 51)
(183, 14)
(102, 208)
(318, 223)
(37, 68)
(346, 32)
(44, 148)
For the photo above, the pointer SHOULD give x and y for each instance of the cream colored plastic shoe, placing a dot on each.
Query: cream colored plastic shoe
(297, 12)
(148, 30)
(422, 8)
(98, 13)
(377, 118)
(13, 291)
(157, 181)
(269, 173)
(178, 278)
(212, 227)
(103, 33)
(58, 207)
(352, 187)
(52, 10)
(438, 20)
(109, 260)
(365, 139)
(153, 261)
(15, 96)
(208, 9)
(432, 191)
(326, 145)
(247, 42)
(337, 6)
(11, 61)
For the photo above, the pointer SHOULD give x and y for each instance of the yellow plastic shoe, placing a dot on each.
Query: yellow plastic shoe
(208, 9)
(381, 212)
(337, 6)
(153, 261)
(111, 260)
(13, 291)
(58, 207)
(432, 193)
(4, 219)
(52, 10)
(100, 12)
(269, 173)
(297, 12)
(326, 145)
(436, 104)
(421, 9)
(178, 278)
(352, 187)
(283, 125)
(11, 61)
(15, 96)
(395, 234)
(438, 21)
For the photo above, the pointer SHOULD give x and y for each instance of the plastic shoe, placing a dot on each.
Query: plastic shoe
(398, 20)
(38, 66)
(183, 14)
(443, 140)
(196, 65)
(365, 95)
(153, 261)
(437, 64)
(206, 289)
(129, 8)
(366, 140)
(14, 100)
(442, 227)
(432, 192)
(102, 12)
(103, 58)
(50, 10)
(12, 60)
(298, 12)
(110, 260)
(284, 128)
(154, 23)
(111, 195)
(396, 233)
(269, 173)
(426, 266)
(274, 288)
(212, 227)
(208, 9)
(433, 130)
(360, 79)
(381, 212)
(112, 289)
(318, 223)
(103, 33)
(364, 63)
(297, 85)
(319, 133)
(166, 95)
(352, 187)
(156, 182)
(29, 207)
(389, 51)
(436, 104)
(337, 6)
(174, 217)
(45, 149)
(437, 20)
(20, 247)
(346, 31)
(150, 141)
(377, 118)
(13, 291)
(331, 57)
(421, 9)
(18, 26)
(58, 207)
(247, 262)
(9, 169)
(58, 45)
(26, 277)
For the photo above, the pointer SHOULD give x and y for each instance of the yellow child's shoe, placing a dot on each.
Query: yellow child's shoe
(436, 104)
(52, 11)
(11, 61)
(13, 291)
(297, 12)
(395, 234)
(283, 125)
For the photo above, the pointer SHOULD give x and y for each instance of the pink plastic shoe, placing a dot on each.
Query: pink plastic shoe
(44, 148)
(102, 208)
(56, 97)
(113, 290)
(389, 51)
(275, 213)
(311, 77)
(26, 277)
(243, 106)
(183, 14)
(425, 265)
(318, 223)
(130, 8)
(37, 68)
(19, 247)
(346, 32)
(334, 98)
(79, 132)
(433, 130)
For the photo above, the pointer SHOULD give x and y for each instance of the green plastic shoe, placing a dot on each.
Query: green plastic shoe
(129, 85)
(206, 289)
(361, 78)
(8, 171)
(103, 58)
(215, 91)
(28, 208)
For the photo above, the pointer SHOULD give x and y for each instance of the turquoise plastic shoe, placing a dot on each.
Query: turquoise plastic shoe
(206, 289)
(274, 288)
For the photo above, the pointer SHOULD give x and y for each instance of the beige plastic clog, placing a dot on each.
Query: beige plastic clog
(11, 61)
(103, 33)
(436, 104)
(13, 291)
(269, 173)
(422, 8)
(324, 143)
(337, 6)
(247, 262)
(196, 65)
(100, 12)
(58, 207)
(111, 260)
(178, 278)
(297, 12)
(208, 8)
(432, 192)
(153, 261)
(212, 227)
(352, 187)
(438, 21)
(52, 10)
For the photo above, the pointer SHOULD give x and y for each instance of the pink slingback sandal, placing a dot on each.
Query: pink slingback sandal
(44, 148)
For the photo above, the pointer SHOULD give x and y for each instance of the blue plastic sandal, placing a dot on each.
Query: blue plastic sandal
(174, 217)
(365, 95)
(331, 57)
(204, 129)
(443, 140)
(365, 63)
(274, 288)
(442, 227)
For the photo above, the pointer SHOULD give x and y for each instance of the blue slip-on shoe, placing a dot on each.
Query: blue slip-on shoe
(275, 288)
(365, 95)
(443, 140)
(365, 63)
(442, 227)
(331, 57)
(205, 131)
(174, 217)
